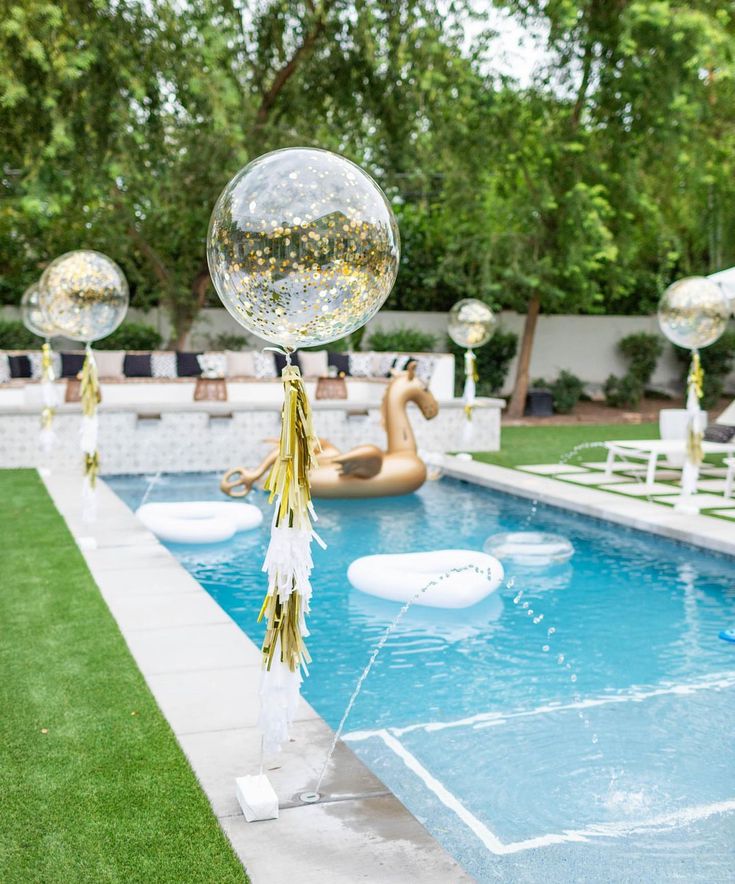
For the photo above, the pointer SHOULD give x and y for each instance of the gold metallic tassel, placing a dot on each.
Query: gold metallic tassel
(695, 386)
(90, 397)
(288, 484)
(288, 480)
(470, 373)
(47, 377)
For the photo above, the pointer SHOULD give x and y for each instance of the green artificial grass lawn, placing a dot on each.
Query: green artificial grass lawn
(551, 443)
(94, 787)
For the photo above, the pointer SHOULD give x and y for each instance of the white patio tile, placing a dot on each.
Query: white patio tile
(170, 578)
(640, 489)
(596, 478)
(711, 484)
(215, 646)
(167, 609)
(728, 514)
(212, 699)
(550, 469)
(703, 501)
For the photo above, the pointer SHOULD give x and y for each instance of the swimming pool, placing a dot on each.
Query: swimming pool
(578, 726)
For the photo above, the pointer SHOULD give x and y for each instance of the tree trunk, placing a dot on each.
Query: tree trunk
(183, 325)
(518, 400)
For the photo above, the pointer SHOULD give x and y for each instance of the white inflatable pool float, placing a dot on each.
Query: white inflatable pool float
(533, 549)
(401, 576)
(198, 521)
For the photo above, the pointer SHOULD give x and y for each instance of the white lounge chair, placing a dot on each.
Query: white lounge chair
(730, 477)
(649, 450)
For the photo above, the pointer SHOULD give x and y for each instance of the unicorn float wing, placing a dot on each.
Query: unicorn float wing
(364, 471)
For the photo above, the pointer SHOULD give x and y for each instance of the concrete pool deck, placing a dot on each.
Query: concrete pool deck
(204, 673)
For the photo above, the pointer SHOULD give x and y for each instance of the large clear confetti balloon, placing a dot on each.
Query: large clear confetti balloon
(34, 319)
(303, 247)
(84, 294)
(471, 323)
(693, 312)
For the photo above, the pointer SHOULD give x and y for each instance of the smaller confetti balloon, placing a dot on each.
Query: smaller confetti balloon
(693, 312)
(303, 247)
(34, 319)
(84, 294)
(471, 323)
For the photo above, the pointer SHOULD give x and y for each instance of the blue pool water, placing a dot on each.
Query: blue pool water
(603, 750)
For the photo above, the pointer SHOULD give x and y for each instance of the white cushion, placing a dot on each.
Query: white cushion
(213, 365)
(425, 368)
(4, 368)
(265, 364)
(109, 363)
(314, 364)
(163, 365)
(240, 363)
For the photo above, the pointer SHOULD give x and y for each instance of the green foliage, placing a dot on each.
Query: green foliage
(717, 362)
(131, 336)
(402, 340)
(493, 361)
(566, 390)
(623, 392)
(642, 350)
(228, 341)
(15, 336)
(610, 174)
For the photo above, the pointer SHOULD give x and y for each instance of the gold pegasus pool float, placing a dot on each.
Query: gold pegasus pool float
(365, 471)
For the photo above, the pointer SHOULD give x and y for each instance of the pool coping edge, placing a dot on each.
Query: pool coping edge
(699, 530)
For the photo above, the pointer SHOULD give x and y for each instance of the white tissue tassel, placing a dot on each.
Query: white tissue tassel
(288, 563)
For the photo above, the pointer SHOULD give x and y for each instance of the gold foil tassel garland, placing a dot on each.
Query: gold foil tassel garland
(90, 397)
(695, 389)
(288, 483)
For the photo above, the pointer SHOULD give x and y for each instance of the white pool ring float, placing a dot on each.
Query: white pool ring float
(400, 576)
(198, 521)
(534, 549)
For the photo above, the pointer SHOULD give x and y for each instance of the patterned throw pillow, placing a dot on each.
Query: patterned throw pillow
(382, 364)
(401, 361)
(425, 368)
(213, 365)
(4, 368)
(36, 358)
(163, 365)
(265, 364)
(361, 365)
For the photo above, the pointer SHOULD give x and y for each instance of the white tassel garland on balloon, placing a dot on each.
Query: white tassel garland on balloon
(47, 436)
(695, 428)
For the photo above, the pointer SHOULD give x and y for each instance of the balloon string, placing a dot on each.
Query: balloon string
(282, 351)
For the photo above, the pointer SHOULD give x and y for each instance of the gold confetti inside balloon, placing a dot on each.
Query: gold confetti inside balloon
(34, 319)
(693, 312)
(84, 294)
(471, 323)
(303, 247)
